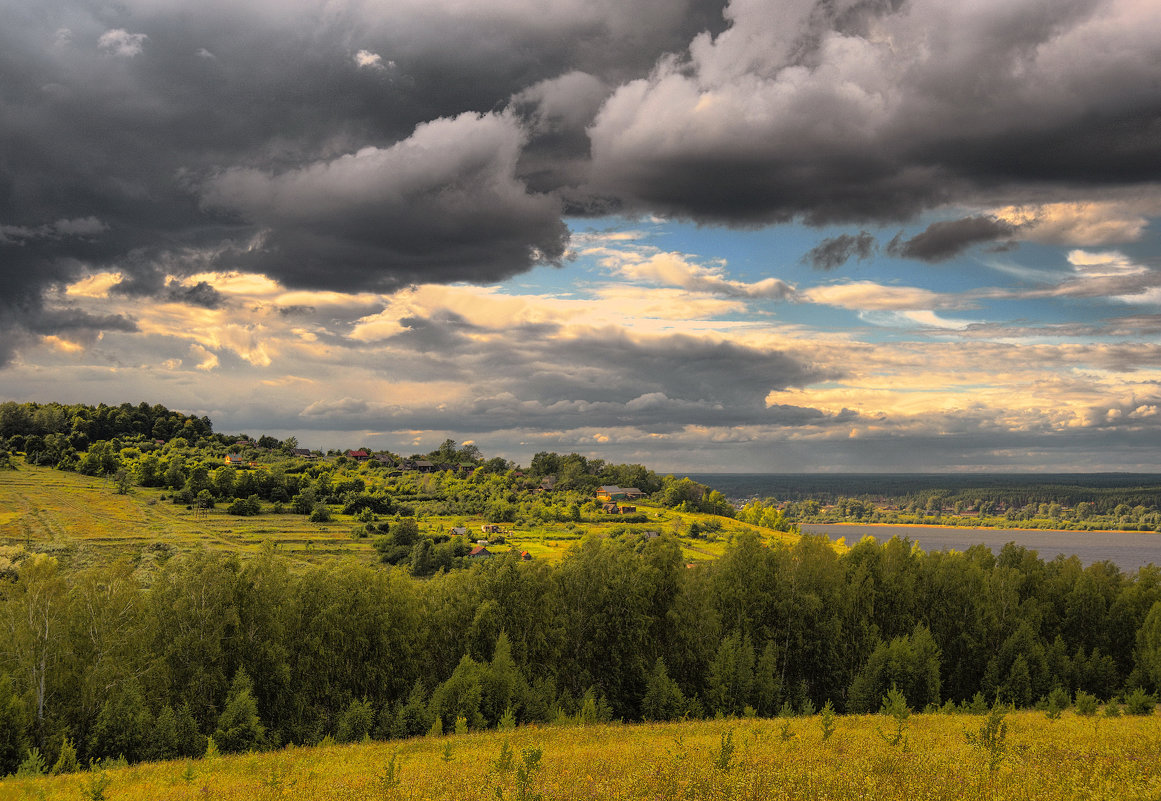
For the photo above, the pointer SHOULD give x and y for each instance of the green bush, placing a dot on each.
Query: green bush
(1139, 702)
(1086, 704)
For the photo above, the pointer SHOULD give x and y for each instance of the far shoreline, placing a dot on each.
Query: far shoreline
(1014, 529)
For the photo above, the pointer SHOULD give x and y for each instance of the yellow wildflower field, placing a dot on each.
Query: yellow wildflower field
(1070, 758)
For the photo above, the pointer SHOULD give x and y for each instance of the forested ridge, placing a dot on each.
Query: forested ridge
(151, 660)
(1085, 502)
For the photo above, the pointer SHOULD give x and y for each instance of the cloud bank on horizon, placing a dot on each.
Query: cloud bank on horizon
(752, 235)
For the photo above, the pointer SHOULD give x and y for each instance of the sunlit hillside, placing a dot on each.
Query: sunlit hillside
(84, 520)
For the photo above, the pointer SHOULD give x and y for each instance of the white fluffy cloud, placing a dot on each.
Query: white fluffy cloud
(119, 42)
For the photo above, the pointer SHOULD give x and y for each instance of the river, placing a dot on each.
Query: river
(1128, 550)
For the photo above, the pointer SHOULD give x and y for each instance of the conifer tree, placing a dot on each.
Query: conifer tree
(190, 742)
(731, 675)
(123, 726)
(504, 684)
(164, 740)
(663, 698)
(355, 722)
(767, 687)
(66, 762)
(415, 716)
(239, 727)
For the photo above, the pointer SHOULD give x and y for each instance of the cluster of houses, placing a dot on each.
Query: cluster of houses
(609, 496)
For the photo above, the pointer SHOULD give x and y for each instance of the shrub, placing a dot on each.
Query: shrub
(977, 706)
(1139, 702)
(245, 507)
(1058, 701)
(723, 757)
(895, 707)
(33, 764)
(992, 737)
(1086, 703)
(67, 761)
(827, 720)
(355, 722)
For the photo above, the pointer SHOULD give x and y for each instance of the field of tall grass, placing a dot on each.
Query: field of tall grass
(1024, 756)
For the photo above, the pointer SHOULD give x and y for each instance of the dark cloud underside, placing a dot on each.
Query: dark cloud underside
(836, 251)
(944, 240)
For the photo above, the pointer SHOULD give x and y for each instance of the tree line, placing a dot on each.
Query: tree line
(111, 661)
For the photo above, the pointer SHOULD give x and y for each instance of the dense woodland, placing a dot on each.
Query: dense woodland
(104, 661)
(256, 654)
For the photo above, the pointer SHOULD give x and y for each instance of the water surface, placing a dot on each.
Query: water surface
(1128, 550)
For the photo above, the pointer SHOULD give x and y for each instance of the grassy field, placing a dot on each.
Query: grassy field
(84, 520)
(1070, 758)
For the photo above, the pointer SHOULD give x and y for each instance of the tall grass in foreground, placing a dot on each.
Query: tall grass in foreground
(942, 757)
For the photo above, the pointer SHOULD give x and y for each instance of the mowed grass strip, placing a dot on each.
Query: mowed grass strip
(49, 509)
(1070, 758)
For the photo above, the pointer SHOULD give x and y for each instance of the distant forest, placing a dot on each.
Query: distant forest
(1104, 489)
(1125, 501)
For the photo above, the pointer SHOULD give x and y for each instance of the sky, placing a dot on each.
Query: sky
(743, 236)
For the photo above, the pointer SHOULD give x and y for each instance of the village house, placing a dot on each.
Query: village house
(612, 492)
(359, 455)
(480, 552)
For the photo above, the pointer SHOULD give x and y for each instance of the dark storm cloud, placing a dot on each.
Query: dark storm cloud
(19, 325)
(442, 205)
(556, 114)
(838, 250)
(833, 112)
(374, 145)
(199, 294)
(947, 239)
(74, 320)
(150, 281)
(530, 378)
(121, 124)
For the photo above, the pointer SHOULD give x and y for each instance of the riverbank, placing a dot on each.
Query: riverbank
(1014, 529)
